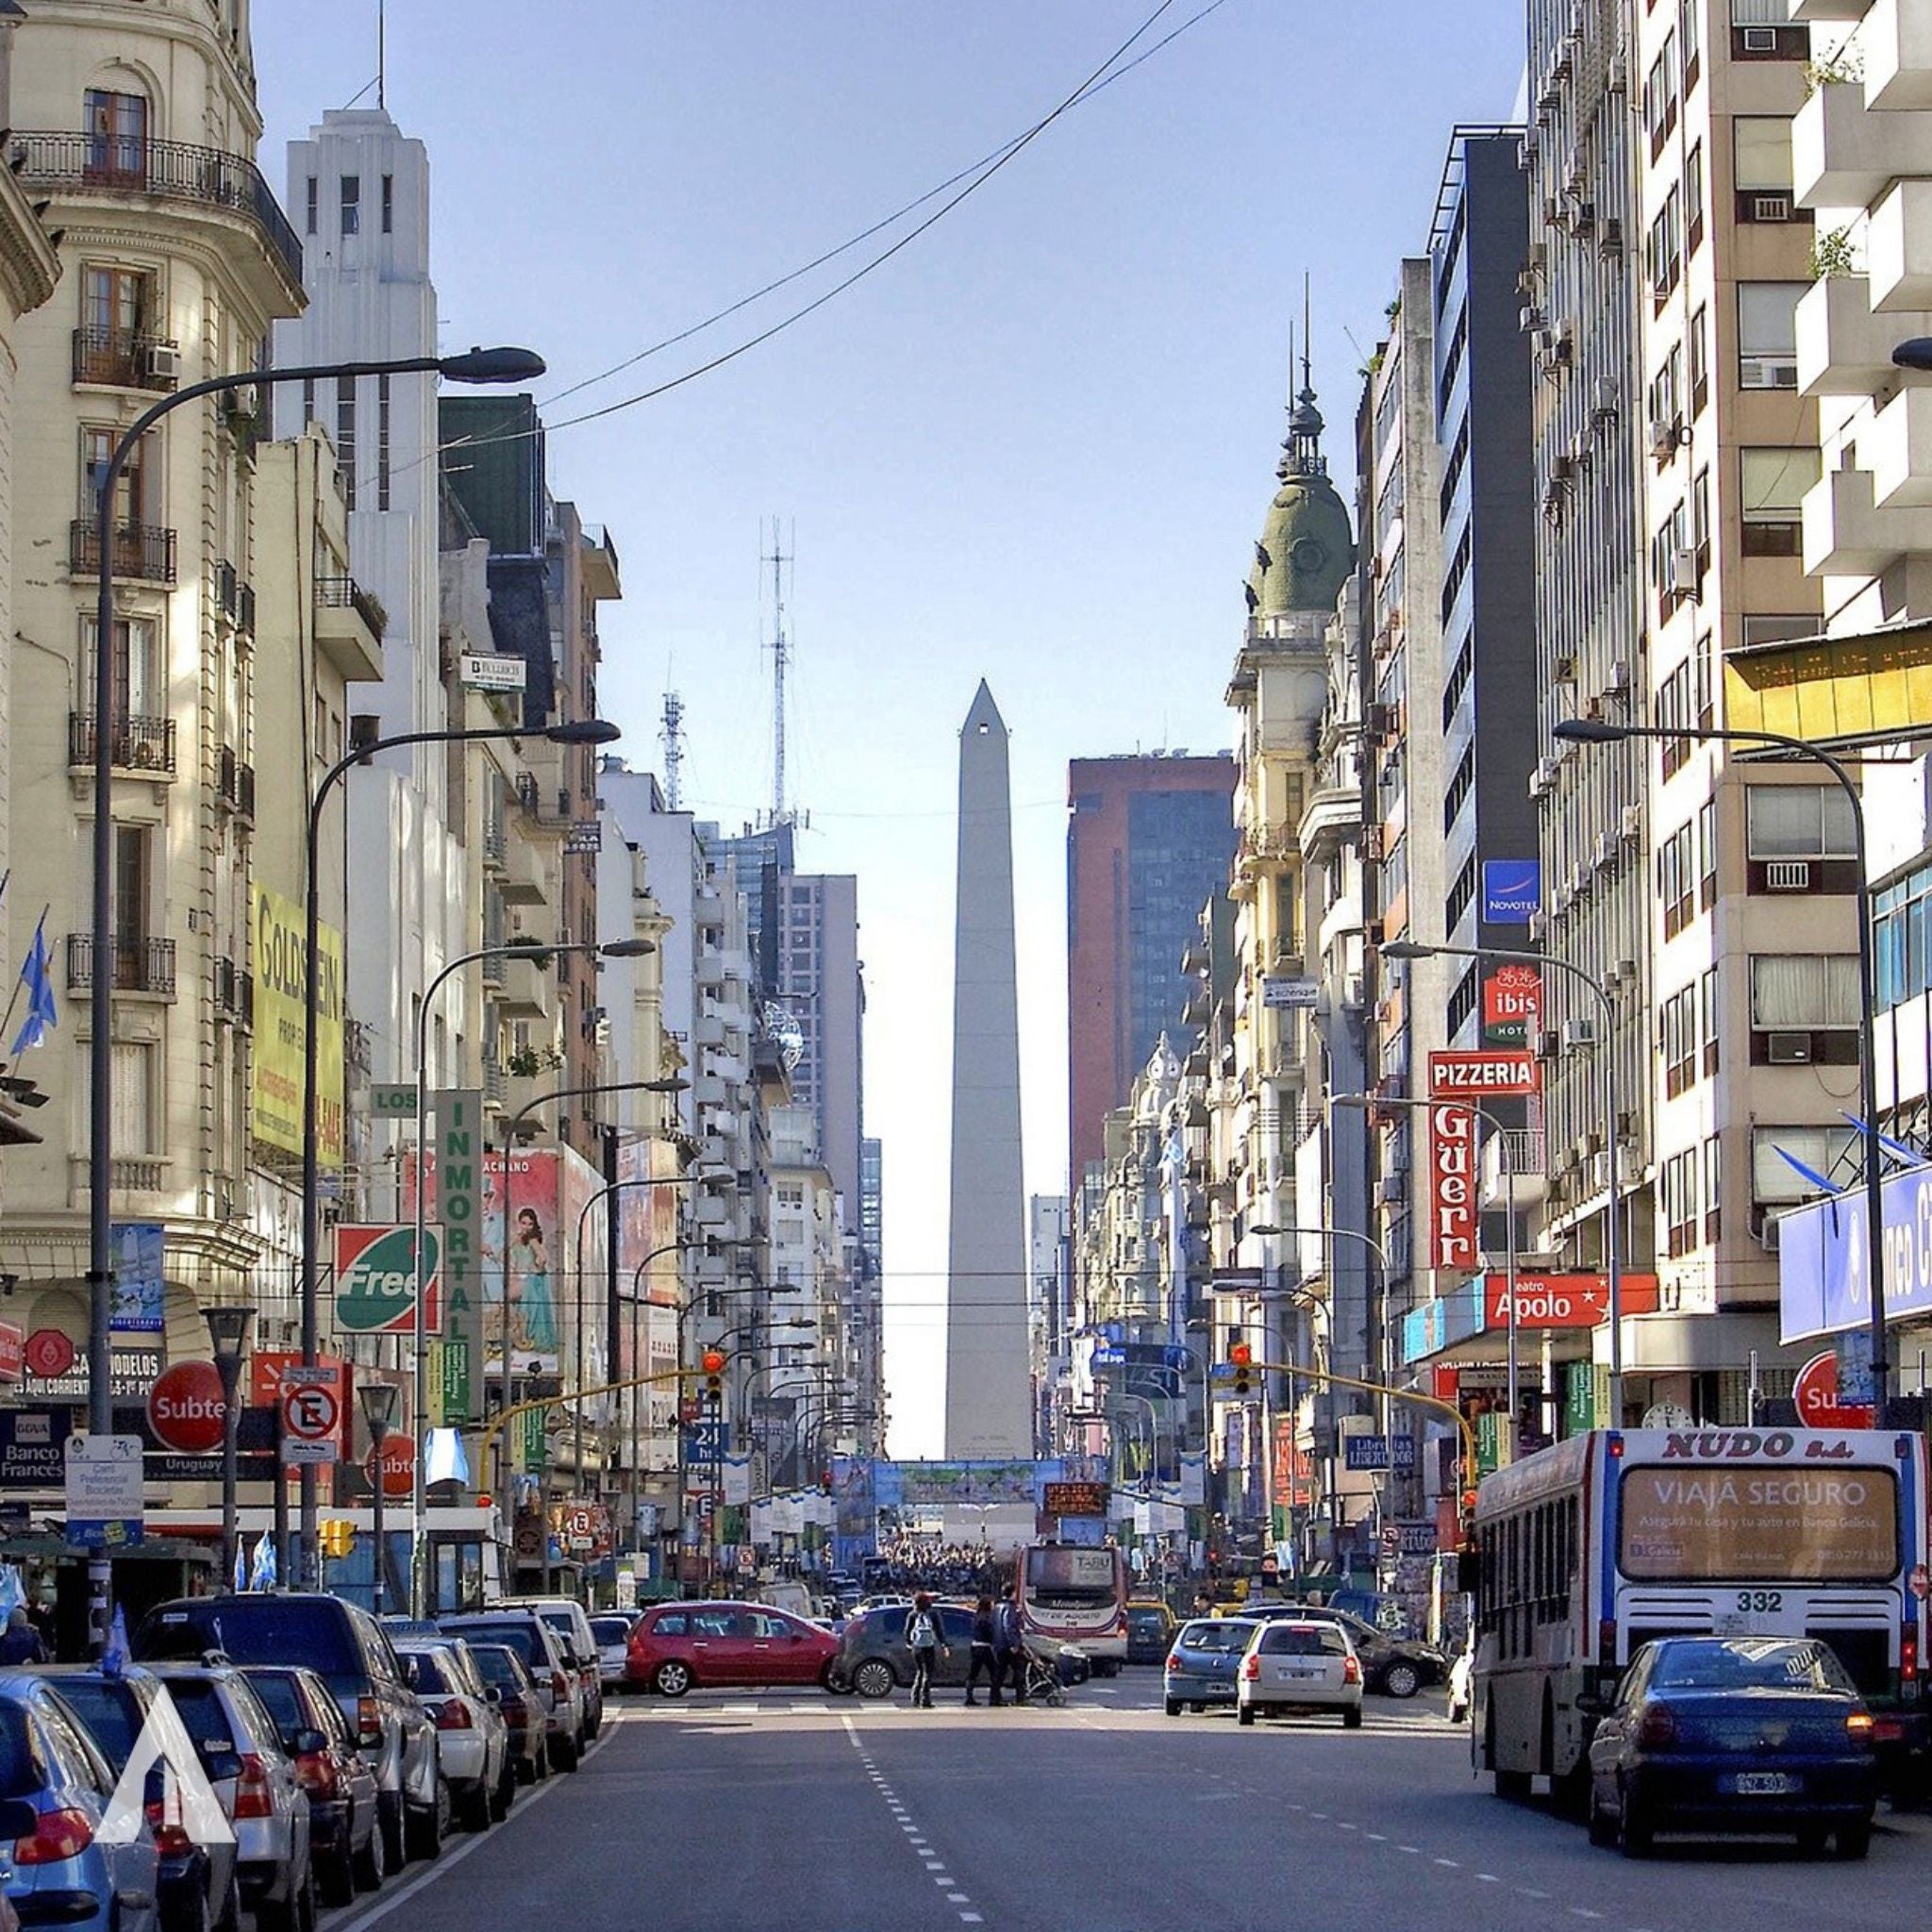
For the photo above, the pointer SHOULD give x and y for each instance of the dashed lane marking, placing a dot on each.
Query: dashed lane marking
(935, 1866)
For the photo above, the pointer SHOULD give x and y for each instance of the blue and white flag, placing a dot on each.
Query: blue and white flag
(262, 1575)
(41, 1018)
(114, 1658)
(240, 1566)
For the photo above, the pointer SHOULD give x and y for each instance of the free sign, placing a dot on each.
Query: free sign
(375, 1279)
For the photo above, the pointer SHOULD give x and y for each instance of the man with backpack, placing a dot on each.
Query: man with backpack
(923, 1635)
(1008, 1648)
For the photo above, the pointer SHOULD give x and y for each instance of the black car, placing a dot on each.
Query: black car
(1394, 1666)
(1757, 1734)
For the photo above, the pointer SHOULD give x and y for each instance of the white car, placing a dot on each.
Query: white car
(471, 1736)
(1296, 1666)
(612, 1628)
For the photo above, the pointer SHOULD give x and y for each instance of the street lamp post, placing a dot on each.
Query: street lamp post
(478, 366)
(1593, 731)
(1613, 1245)
(378, 1401)
(227, 1334)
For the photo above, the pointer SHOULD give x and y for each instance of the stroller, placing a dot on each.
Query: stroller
(1042, 1679)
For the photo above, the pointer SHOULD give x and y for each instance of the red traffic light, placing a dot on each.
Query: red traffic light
(712, 1362)
(1240, 1355)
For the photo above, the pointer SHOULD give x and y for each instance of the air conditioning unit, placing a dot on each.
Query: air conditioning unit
(1563, 670)
(1611, 242)
(1565, 336)
(1527, 153)
(1538, 927)
(1563, 468)
(1616, 77)
(162, 361)
(1618, 681)
(1760, 39)
(1390, 1190)
(1549, 1043)
(1543, 780)
(1578, 1033)
(1539, 257)
(1602, 399)
(1788, 1049)
(1684, 572)
(1530, 321)
(1788, 875)
(1769, 372)
(1631, 826)
(1666, 434)
(1771, 207)
(245, 401)
(1606, 851)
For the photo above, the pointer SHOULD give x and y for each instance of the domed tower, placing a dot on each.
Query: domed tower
(1306, 549)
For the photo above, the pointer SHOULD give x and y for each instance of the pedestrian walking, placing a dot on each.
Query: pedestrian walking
(1008, 1648)
(982, 1657)
(22, 1643)
(923, 1634)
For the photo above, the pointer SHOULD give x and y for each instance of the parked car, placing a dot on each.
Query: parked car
(353, 1656)
(54, 1789)
(1299, 1665)
(1712, 1734)
(1394, 1666)
(571, 1623)
(519, 1706)
(612, 1628)
(679, 1647)
(344, 1805)
(1150, 1631)
(560, 1687)
(197, 1877)
(470, 1731)
(240, 1747)
(1201, 1668)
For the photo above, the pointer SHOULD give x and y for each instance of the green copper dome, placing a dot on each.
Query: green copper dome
(1307, 550)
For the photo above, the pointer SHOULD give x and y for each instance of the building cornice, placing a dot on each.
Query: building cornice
(29, 263)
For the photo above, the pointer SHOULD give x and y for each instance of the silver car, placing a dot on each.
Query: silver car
(560, 1690)
(470, 1731)
(240, 1750)
(612, 1628)
(570, 1624)
(1300, 1666)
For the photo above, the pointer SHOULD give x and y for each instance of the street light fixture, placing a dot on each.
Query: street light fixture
(477, 365)
(227, 1334)
(1613, 1246)
(378, 1400)
(1916, 353)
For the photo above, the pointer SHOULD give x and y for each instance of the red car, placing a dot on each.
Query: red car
(677, 1647)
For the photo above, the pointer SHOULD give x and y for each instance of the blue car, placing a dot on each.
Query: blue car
(61, 1873)
(1201, 1666)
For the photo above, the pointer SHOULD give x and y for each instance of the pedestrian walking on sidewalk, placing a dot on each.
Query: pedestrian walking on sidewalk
(982, 1658)
(923, 1634)
(1008, 1648)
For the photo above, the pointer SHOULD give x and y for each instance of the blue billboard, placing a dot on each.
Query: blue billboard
(1824, 1280)
(1513, 890)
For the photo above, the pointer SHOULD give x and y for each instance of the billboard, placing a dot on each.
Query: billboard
(1513, 890)
(139, 1290)
(1512, 1005)
(1824, 1282)
(1827, 688)
(276, 948)
(1579, 1300)
(1452, 1186)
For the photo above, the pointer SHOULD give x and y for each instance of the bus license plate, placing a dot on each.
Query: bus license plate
(1764, 1784)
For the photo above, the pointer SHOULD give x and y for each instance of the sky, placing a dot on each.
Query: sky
(1035, 446)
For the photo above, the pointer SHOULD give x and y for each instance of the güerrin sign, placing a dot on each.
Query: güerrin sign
(375, 1279)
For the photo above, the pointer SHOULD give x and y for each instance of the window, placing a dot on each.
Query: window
(1774, 482)
(352, 204)
(1901, 926)
(117, 138)
(1713, 1187)
(1703, 671)
(140, 690)
(1823, 1150)
(311, 207)
(345, 438)
(1672, 713)
(1706, 1017)
(133, 885)
(1761, 154)
(1677, 1040)
(130, 495)
(1767, 334)
(1798, 822)
(1683, 1201)
(1693, 199)
(1676, 881)
(388, 204)
(1662, 255)
(116, 304)
(1660, 97)
(1689, 38)
(1700, 361)
(382, 437)
(1763, 628)
(1667, 391)
(1707, 853)
(1802, 991)
(307, 401)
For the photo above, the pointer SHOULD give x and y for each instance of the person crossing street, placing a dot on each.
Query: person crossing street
(1008, 1649)
(923, 1635)
(982, 1656)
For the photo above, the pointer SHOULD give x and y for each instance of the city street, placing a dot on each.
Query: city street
(832, 1815)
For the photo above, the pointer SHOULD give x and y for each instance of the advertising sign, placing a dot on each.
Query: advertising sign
(187, 1409)
(1484, 1076)
(1759, 1524)
(1820, 1405)
(104, 1476)
(1379, 1451)
(54, 1372)
(376, 1279)
(1564, 1300)
(1074, 1499)
(491, 673)
(1512, 1005)
(140, 1289)
(1513, 890)
(1452, 1186)
(931, 1483)
(13, 1352)
(33, 1447)
(454, 1196)
(1296, 995)
(274, 1068)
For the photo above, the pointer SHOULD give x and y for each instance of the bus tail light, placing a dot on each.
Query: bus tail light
(1909, 1655)
(1251, 1668)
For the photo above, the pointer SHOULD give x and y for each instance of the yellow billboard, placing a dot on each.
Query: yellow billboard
(1833, 688)
(275, 1079)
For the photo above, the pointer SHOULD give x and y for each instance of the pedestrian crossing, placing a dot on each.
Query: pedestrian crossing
(1091, 1700)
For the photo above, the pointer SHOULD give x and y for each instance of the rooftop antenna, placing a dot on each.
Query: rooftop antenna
(781, 657)
(382, 53)
(672, 735)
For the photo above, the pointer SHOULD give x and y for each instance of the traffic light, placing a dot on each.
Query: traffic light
(712, 1362)
(338, 1535)
(1242, 1357)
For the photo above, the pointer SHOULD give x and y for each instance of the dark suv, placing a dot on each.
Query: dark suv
(346, 1648)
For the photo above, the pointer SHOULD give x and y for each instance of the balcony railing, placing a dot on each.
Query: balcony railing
(140, 965)
(235, 781)
(246, 610)
(227, 590)
(126, 164)
(143, 553)
(139, 744)
(495, 1082)
(125, 359)
(234, 991)
(339, 594)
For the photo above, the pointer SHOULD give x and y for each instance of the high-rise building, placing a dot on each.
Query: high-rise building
(987, 1399)
(1049, 1310)
(1149, 837)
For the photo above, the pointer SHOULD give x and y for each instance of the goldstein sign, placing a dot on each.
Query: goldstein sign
(277, 955)
(376, 1284)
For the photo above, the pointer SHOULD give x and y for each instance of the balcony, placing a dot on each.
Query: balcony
(527, 993)
(1525, 1151)
(125, 359)
(525, 880)
(140, 965)
(1844, 155)
(1843, 348)
(163, 170)
(1897, 45)
(495, 840)
(349, 623)
(495, 1083)
(143, 553)
(1846, 534)
(1898, 248)
(235, 783)
(141, 744)
(234, 993)
(545, 804)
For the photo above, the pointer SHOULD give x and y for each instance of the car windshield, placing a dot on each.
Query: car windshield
(1219, 1633)
(109, 1711)
(497, 1665)
(1747, 1663)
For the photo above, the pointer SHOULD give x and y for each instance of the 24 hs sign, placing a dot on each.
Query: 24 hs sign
(376, 1283)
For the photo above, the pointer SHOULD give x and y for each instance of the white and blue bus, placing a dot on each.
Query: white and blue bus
(1586, 1550)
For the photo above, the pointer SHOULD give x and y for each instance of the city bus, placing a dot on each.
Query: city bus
(1073, 1594)
(1586, 1550)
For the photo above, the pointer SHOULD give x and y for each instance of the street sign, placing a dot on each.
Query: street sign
(398, 1465)
(187, 1409)
(312, 1412)
(704, 1441)
(1296, 995)
(392, 1099)
(103, 1495)
(1816, 1393)
(376, 1279)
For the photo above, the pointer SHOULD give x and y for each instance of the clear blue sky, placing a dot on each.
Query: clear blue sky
(1036, 446)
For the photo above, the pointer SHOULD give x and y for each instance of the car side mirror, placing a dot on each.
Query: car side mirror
(18, 1819)
(306, 1744)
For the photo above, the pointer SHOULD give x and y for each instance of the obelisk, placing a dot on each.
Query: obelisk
(989, 1393)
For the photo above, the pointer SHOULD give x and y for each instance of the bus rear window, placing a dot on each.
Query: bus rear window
(1067, 1577)
(1758, 1524)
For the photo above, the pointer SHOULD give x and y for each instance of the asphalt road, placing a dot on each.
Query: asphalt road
(804, 1813)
